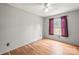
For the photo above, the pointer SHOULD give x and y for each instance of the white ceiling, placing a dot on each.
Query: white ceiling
(55, 8)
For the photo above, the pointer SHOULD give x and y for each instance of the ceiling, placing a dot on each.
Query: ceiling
(55, 8)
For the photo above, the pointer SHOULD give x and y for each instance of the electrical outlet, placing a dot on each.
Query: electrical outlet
(40, 35)
(8, 44)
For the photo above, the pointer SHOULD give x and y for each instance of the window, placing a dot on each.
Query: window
(57, 26)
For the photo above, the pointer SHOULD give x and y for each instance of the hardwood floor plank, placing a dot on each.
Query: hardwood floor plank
(46, 47)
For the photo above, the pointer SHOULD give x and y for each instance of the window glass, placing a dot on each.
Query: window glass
(57, 26)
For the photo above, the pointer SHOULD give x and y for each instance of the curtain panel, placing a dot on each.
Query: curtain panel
(64, 26)
(51, 26)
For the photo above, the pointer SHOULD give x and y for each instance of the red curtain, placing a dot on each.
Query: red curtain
(64, 26)
(51, 26)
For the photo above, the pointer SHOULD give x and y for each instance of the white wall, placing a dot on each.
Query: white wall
(73, 26)
(18, 27)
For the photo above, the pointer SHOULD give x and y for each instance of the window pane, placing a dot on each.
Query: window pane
(57, 26)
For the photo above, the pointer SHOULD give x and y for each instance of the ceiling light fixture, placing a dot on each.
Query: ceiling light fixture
(46, 7)
(46, 10)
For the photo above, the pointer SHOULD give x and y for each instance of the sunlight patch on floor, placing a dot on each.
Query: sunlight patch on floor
(57, 49)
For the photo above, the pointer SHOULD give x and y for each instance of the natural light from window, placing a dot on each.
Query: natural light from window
(57, 26)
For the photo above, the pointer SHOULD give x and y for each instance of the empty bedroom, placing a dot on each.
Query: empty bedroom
(39, 28)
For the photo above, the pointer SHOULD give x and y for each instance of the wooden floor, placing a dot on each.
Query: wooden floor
(46, 47)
